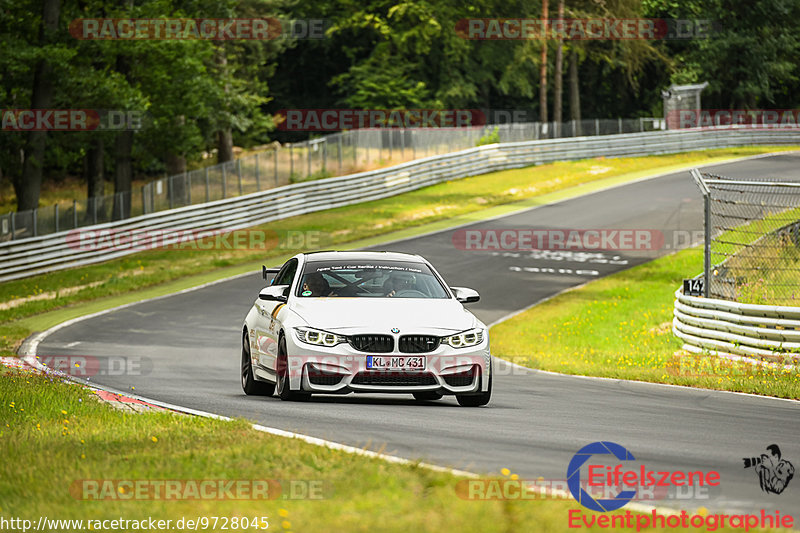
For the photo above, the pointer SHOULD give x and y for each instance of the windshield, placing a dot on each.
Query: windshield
(369, 279)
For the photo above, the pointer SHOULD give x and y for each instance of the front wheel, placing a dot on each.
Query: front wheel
(250, 386)
(475, 400)
(284, 388)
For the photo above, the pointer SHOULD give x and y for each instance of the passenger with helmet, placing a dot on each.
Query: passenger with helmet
(316, 285)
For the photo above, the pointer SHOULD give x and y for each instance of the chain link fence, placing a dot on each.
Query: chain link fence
(752, 240)
(338, 154)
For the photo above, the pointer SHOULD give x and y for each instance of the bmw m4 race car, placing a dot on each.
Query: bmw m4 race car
(375, 322)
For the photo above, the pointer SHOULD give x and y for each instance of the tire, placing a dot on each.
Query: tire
(283, 384)
(250, 386)
(475, 400)
(427, 396)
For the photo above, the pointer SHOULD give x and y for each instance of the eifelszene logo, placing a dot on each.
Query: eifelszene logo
(605, 480)
(774, 473)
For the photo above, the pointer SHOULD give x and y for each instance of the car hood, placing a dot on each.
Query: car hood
(381, 315)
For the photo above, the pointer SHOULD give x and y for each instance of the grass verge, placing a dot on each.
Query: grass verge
(54, 435)
(621, 327)
(36, 303)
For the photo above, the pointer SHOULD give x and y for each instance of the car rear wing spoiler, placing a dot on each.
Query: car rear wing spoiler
(265, 272)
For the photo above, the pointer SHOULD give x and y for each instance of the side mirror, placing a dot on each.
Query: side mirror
(274, 293)
(265, 272)
(465, 295)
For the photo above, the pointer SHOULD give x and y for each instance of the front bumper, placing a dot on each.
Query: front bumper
(342, 370)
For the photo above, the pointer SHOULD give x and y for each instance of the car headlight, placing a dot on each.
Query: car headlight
(318, 337)
(465, 339)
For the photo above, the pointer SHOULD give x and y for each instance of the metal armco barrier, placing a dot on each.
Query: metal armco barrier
(732, 328)
(38, 255)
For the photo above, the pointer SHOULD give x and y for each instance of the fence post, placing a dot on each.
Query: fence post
(698, 179)
(597, 126)
(308, 158)
(224, 181)
(339, 139)
(324, 155)
(188, 183)
(144, 201)
(207, 192)
(169, 191)
(707, 244)
(74, 214)
(258, 181)
(641, 124)
(35, 222)
(275, 165)
(56, 216)
(619, 123)
(14, 225)
(291, 163)
(239, 174)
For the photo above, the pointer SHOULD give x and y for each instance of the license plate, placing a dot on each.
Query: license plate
(380, 362)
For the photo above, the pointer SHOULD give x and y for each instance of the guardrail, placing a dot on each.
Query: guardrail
(38, 255)
(273, 165)
(721, 327)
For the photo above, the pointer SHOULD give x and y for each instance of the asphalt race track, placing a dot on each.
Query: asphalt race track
(190, 348)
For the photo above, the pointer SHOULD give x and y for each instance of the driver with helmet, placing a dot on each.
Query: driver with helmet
(398, 282)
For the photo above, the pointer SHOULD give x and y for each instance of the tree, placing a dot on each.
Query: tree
(558, 77)
(27, 185)
(750, 58)
(574, 90)
(543, 70)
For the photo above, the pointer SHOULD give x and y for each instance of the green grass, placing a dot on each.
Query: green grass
(621, 327)
(767, 272)
(54, 434)
(758, 264)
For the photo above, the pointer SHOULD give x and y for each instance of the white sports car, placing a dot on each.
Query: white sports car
(341, 322)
